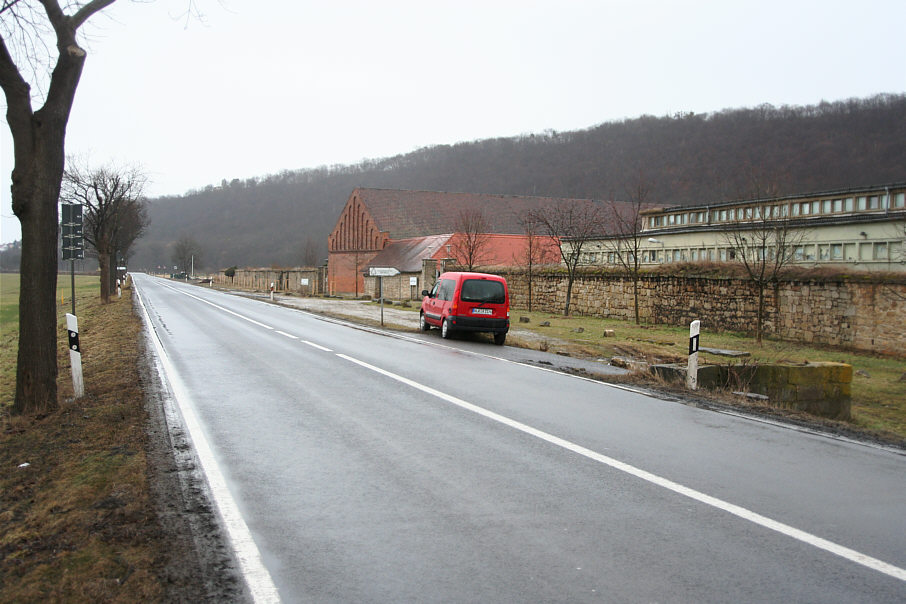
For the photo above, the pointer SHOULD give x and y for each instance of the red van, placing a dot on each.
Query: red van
(467, 302)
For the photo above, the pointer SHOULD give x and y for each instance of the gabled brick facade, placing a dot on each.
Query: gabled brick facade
(372, 218)
(354, 241)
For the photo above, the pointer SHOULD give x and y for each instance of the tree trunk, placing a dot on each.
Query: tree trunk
(569, 294)
(35, 192)
(760, 318)
(635, 295)
(104, 266)
(114, 274)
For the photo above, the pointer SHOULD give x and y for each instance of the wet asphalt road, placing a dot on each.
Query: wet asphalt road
(381, 468)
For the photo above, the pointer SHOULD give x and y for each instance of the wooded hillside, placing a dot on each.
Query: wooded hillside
(284, 219)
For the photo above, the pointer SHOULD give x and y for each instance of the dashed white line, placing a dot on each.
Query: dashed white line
(741, 512)
(250, 320)
(218, 307)
(318, 346)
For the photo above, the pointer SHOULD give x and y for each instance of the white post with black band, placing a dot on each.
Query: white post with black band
(75, 355)
(692, 371)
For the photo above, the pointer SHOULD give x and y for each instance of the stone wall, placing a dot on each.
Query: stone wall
(303, 281)
(823, 389)
(853, 314)
(395, 288)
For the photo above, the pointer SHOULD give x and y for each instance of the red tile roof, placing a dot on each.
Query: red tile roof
(406, 214)
(407, 254)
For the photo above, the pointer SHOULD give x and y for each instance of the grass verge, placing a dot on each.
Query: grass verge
(77, 523)
(879, 383)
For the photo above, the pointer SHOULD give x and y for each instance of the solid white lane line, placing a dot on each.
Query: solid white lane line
(318, 346)
(741, 512)
(218, 307)
(257, 577)
(288, 335)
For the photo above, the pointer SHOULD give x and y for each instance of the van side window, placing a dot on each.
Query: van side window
(447, 287)
(434, 289)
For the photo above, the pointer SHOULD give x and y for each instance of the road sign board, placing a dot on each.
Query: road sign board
(71, 230)
(376, 271)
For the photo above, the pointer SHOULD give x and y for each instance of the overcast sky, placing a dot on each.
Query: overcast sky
(262, 86)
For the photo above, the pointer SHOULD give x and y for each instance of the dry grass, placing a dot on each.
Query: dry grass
(77, 524)
(879, 384)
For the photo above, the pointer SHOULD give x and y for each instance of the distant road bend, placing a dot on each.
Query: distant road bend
(358, 465)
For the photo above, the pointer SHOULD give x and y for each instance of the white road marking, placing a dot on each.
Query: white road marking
(741, 512)
(257, 577)
(282, 333)
(318, 346)
(236, 314)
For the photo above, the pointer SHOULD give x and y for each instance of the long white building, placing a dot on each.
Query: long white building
(863, 228)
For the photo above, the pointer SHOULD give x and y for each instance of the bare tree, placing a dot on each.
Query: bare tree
(38, 156)
(309, 252)
(133, 224)
(570, 224)
(896, 233)
(764, 242)
(626, 242)
(470, 245)
(114, 212)
(186, 254)
(532, 254)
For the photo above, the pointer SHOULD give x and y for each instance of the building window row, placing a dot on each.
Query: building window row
(814, 207)
(878, 251)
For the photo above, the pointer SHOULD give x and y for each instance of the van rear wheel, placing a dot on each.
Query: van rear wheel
(445, 330)
(499, 338)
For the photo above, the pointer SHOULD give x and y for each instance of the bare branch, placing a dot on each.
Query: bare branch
(764, 241)
(472, 237)
(570, 224)
(113, 208)
(84, 13)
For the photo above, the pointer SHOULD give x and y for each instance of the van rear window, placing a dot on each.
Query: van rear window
(483, 290)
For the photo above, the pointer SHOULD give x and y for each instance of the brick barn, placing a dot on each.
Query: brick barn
(402, 229)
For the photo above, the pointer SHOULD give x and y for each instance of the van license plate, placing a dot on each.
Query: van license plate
(482, 311)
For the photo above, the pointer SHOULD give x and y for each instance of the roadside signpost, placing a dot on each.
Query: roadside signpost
(380, 273)
(73, 249)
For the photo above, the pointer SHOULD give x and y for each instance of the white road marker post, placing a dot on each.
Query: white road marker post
(272, 291)
(75, 355)
(692, 370)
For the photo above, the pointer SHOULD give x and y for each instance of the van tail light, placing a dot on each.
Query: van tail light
(454, 308)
